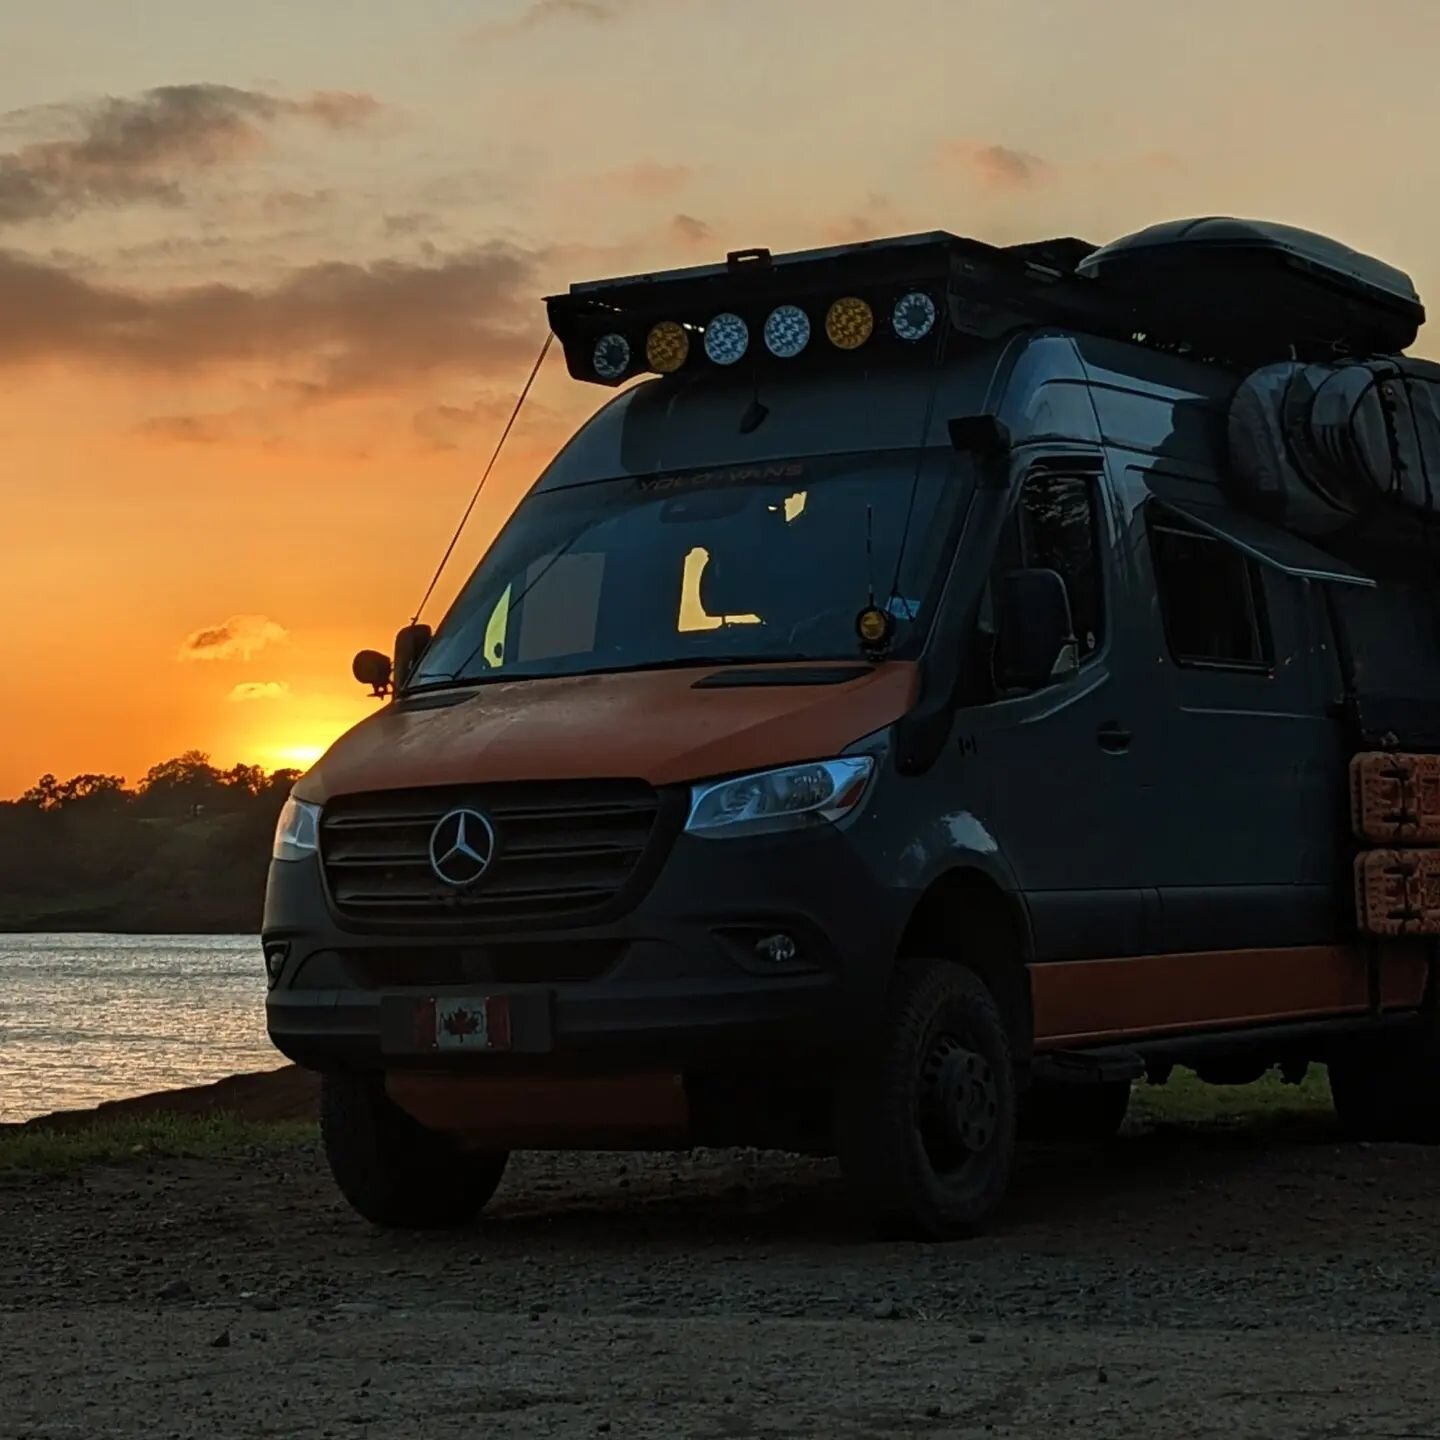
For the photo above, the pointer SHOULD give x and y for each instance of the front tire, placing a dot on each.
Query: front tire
(1391, 1094)
(391, 1169)
(926, 1119)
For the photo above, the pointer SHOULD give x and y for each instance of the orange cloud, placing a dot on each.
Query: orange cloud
(129, 150)
(239, 638)
(648, 179)
(997, 167)
(339, 327)
(690, 230)
(183, 429)
(544, 12)
(875, 217)
(259, 690)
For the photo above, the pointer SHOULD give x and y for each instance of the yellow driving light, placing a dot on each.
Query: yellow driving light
(873, 625)
(667, 347)
(849, 323)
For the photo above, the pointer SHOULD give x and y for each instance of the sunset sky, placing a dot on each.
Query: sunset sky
(269, 274)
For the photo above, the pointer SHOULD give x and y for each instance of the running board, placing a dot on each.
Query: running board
(1119, 1062)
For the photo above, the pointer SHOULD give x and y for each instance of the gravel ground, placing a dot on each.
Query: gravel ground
(1186, 1281)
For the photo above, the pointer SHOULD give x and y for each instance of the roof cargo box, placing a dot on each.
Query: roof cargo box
(1270, 286)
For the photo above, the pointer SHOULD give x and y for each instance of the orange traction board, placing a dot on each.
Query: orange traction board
(1397, 892)
(1395, 797)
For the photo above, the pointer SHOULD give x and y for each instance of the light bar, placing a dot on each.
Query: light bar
(787, 330)
(872, 296)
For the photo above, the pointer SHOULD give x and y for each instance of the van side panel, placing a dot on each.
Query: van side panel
(1247, 784)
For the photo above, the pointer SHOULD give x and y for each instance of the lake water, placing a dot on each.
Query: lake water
(86, 1018)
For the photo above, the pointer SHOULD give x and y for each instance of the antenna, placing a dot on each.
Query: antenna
(499, 445)
(869, 556)
(942, 330)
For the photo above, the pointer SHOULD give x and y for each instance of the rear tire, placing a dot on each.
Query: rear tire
(391, 1169)
(925, 1124)
(1388, 1094)
(1085, 1114)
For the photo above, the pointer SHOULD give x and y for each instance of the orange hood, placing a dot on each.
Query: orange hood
(647, 725)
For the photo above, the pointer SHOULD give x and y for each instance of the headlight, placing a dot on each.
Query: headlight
(779, 799)
(297, 832)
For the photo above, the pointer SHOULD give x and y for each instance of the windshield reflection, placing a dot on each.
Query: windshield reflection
(751, 564)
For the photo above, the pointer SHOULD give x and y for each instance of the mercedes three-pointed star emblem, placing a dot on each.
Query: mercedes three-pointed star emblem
(462, 846)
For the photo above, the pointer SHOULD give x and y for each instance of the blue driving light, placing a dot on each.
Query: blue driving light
(727, 337)
(787, 331)
(914, 316)
(612, 357)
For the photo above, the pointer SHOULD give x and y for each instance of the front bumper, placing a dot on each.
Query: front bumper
(676, 983)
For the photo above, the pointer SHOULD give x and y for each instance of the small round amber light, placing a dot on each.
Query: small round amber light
(873, 626)
(849, 323)
(667, 347)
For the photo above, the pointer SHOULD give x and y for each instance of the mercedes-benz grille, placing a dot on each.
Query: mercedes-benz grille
(563, 852)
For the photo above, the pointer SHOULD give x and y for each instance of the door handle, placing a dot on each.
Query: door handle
(1113, 737)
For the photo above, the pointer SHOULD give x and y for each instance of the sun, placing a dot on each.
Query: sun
(297, 738)
(294, 757)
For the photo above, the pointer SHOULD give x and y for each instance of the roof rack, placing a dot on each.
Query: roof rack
(1236, 292)
(607, 326)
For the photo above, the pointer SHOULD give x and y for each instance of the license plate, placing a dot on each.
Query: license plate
(468, 1022)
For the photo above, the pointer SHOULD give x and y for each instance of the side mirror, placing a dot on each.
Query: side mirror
(411, 643)
(1034, 634)
(372, 668)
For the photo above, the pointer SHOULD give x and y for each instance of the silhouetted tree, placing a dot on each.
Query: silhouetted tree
(185, 850)
(48, 793)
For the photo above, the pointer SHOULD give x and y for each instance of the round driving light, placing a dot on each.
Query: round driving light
(727, 337)
(849, 323)
(874, 626)
(667, 347)
(787, 331)
(612, 357)
(913, 316)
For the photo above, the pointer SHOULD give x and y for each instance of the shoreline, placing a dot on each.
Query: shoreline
(93, 927)
(285, 1093)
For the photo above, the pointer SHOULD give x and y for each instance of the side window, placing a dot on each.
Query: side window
(1058, 532)
(1211, 601)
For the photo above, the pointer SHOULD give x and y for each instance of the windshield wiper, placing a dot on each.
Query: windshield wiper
(674, 662)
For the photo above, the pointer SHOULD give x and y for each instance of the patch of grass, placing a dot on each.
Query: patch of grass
(217, 1135)
(1185, 1099)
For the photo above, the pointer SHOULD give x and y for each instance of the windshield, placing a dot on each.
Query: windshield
(752, 563)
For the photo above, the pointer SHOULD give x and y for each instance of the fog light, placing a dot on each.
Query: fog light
(779, 949)
(275, 958)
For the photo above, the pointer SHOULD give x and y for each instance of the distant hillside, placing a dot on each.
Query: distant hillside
(184, 851)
